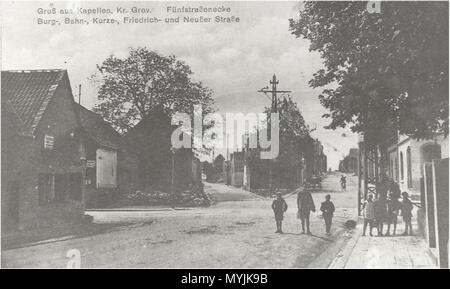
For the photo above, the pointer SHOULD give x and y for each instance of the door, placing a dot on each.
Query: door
(75, 186)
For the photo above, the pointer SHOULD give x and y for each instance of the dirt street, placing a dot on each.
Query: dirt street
(238, 231)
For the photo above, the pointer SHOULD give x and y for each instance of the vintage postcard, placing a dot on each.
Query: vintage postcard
(224, 134)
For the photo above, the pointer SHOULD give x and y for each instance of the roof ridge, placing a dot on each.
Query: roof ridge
(33, 70)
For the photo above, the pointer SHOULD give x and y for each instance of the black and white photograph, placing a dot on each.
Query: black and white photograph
(224, 135)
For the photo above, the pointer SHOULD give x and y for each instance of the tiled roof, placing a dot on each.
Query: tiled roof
(9, 115)
(29, 92)
(98, 129)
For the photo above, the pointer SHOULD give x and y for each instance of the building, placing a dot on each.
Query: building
(407, 158)
(237, 169)
(420, 168)
(102, 144)
(150, 141)
(350, 162)
(43, 153)
(298, 160)
(314, 157)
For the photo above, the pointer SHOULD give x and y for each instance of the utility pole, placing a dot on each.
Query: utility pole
(79, 94)
(273, 109)
(274, 92)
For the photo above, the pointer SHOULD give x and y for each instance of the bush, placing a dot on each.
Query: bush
(192, 197)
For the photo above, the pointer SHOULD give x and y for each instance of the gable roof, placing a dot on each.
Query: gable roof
(10, 116)
(98, 129)
(29, 92)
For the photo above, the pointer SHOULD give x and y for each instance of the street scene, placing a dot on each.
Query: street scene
(237, 232)
(242, 134)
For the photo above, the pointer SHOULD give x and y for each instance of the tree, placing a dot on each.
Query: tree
(387, 70)
(294, 138)
(383, 72)
(131, 88)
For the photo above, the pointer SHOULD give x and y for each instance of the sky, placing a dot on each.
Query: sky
(233, 59)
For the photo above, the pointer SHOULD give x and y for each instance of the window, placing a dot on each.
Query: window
(49, 141)
(391, 168)
(408, 167)
(396, 169)
(402, 174)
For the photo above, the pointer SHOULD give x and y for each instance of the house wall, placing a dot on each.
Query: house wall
(15, 152)
(128, 167)
(59, 120)
(417, 161)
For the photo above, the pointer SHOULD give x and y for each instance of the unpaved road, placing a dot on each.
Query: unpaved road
(237, 232)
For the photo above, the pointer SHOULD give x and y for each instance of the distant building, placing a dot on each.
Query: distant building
(297, 161)
(237, 169)
(43, 154)
(350, 162)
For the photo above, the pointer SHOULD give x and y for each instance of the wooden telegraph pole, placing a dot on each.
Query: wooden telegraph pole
(274, 109)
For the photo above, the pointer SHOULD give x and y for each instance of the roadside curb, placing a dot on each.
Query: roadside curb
(343, 242)
(342, 257)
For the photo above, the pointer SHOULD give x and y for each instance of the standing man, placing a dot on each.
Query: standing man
(327, 209)
(393, 208)
(379, 207)
(279, 206)
(305, 204)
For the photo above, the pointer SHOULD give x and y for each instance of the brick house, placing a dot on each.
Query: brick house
(102, 144)
(43, 153)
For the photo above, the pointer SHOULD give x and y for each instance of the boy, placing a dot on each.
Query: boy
(279, 206)
(379, 206)
(369, 214)
(407, 207)
(327, 209)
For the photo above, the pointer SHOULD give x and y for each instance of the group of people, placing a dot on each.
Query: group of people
(376, 211)
(381, 210)
(305, 205)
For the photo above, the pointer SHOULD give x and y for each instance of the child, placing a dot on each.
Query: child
(407, 207)
(393, 207)
(327, 209)
(379, 206)
(279, 206)
(369, 214)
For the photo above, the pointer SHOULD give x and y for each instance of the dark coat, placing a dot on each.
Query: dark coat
(279, 206)
(380, 209)
(327, 208)
(305, 202)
